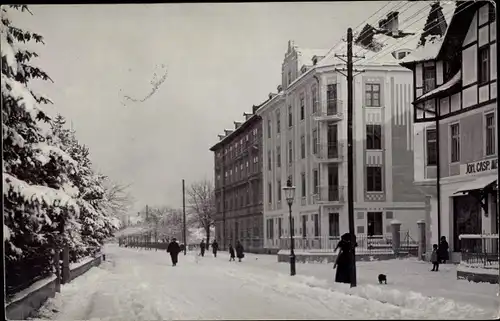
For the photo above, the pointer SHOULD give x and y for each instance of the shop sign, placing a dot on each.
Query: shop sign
(479, 167)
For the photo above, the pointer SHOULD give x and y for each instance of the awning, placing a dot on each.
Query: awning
(477, 184)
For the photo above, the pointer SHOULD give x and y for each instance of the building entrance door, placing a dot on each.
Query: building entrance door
(466, 220)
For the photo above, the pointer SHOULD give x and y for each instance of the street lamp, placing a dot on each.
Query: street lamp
(289, 195)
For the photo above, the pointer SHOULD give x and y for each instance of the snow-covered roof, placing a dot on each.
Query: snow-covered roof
(433, 44)
(428, 51)
(453, 81)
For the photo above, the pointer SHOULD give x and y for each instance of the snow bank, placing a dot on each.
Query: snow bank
(478, 270)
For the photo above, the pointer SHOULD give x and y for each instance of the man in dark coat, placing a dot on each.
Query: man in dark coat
(202, 247)
(239, 251)
(215, 247)
(174, 249)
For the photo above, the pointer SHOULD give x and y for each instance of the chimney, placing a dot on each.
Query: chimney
(393, 26)
(228, 131)
(271, 95)
(254, 109)
(221, 136)
(280, 88)
(237, 124)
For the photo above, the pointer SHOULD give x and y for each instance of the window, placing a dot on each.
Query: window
(372, 95)
(278, 121)
(315, 141)
(314, 95)
(447, 70)
(455, 143)
(373, 136)
(280, 227)
(315, 181)
(270, 228)
(316, 224)
(290, 116)
(269, 128)
(304, 226)
(331, 99)
(279, 190)
(375, 223)
(302, 108)
(490, 134)
(429, 78)
(269, 160)
(431, 147)
(269, 193)
(278, 156)
(303, 147)
(290, 152)
(484, 65)
(333, 225)
(289, 77)
(303, 184)
(374, 178)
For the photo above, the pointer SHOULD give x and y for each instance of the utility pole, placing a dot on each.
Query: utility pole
(350, 158)
(184, 216)
(147, 214)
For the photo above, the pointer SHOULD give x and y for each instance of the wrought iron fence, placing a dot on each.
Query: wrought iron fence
(480, 250)
(365, 244)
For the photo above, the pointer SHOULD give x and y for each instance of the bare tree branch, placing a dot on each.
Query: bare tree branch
(201, 201)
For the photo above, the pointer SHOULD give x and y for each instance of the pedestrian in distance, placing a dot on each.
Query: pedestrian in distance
(443, 254)
(435, 258)
(231, 253)
(239, 251)
(202, 247)
(173, 249)
(215, 247)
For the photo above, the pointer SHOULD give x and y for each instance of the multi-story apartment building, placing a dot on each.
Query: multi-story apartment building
(238, 184)
(304, 139)
(456, 111)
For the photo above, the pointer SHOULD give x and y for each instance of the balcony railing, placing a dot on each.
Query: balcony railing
(480, 250)
(330, 152)
(328, 194)
(333, 111)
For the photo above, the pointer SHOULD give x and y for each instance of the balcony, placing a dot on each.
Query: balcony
(330, 153)
(330, 194)
(333, 111)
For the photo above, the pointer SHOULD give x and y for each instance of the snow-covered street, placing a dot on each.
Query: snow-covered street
(136, 284)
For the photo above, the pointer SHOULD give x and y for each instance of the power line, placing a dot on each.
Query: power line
(384, 51)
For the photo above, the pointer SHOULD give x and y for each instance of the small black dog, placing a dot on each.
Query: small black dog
(382, 278)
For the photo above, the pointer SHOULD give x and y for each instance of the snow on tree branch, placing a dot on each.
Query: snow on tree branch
(201, 201)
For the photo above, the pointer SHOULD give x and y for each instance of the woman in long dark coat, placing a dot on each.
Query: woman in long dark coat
(239, 251)
(344, 258)
(443, 254)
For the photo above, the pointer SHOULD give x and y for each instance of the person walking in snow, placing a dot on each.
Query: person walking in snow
(239, 251)
(435, 258)
(173, 249)
(443, 254)
(215, 247)
(343, 262)
(202, 247)
(231, 253)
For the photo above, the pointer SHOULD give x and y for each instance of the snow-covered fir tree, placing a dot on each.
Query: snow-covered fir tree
(39, 207)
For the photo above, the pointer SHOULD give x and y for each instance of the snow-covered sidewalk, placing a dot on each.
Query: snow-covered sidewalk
(141, 285)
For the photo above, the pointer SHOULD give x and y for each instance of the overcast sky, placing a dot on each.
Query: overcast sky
(221, 59)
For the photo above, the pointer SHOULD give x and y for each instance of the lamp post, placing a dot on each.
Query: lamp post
(289, 196)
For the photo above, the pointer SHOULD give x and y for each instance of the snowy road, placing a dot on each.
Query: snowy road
(141, 285)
